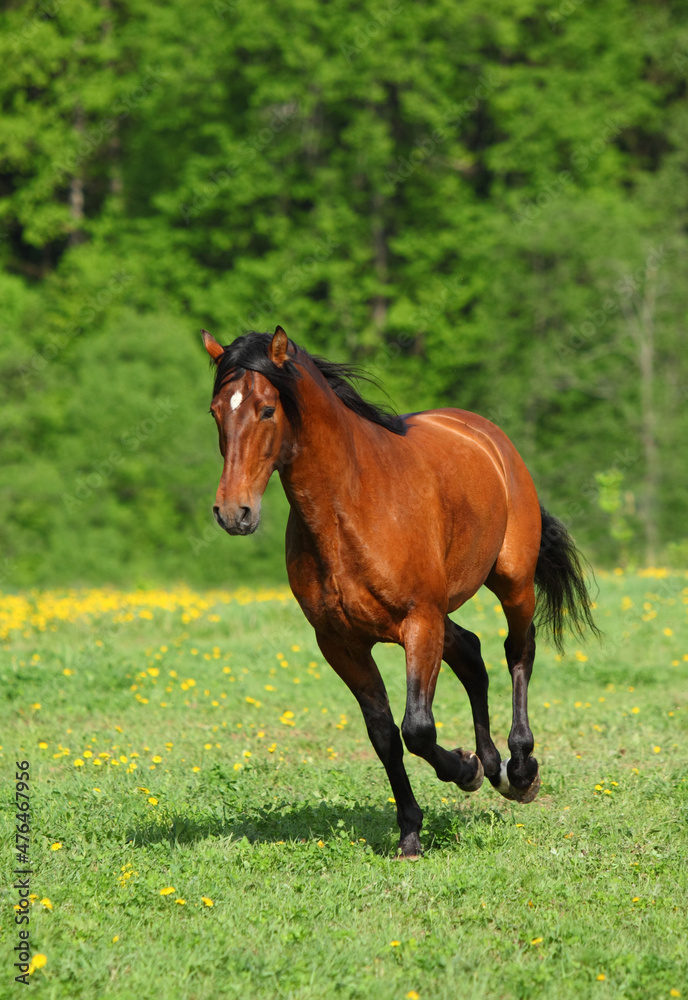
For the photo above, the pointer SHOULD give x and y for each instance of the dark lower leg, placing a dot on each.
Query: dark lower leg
(462, 654)
(358, 670)
(386, 741)
(522, 768)
(423, 657)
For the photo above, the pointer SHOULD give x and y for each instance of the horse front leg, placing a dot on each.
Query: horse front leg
(423, 641)
(462, 653)
(358, 670)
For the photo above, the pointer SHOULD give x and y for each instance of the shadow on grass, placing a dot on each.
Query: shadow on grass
(306, 823)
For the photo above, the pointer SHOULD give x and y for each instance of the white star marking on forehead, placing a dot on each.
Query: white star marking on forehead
(235, 400)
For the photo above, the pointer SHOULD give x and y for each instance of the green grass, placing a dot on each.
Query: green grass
(295, 843)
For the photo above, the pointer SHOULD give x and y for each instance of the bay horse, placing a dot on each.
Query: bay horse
(395, 522)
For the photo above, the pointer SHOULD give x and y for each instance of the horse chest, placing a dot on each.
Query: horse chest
(341, 603)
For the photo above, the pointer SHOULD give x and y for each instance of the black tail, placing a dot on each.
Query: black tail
(563, 598)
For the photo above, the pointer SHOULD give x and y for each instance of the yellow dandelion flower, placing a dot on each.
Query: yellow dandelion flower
(56, 846)
(635, 710)
(412, 995)
(674, 993)
(207, 901)
(157, 759)
(656, 749)
(37, 962)
(43, 745)
(668, 631)
(601, 978)
(180, 901)
(78, 763)
(168, 891)
(153, 801)
(195, 769)
(394, 944)
(45, 902)
(115, 939)
(536, 941)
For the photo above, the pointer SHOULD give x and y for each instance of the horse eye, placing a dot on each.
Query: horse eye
(267, 413)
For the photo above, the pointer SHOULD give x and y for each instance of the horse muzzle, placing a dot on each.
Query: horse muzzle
(238, 519)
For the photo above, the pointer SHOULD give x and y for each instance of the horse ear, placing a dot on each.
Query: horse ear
(278, 347)
(214, 349)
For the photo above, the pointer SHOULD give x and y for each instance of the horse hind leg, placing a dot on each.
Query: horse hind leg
(520, 776)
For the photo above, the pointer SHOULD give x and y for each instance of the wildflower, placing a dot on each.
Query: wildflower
(412, 995)
(115, 939)
(536, 941)
(168, 891)
(45, 902)
(56, 846)
(157, 759)
(656, 749)
(153, 801)
(394, 944)
(37, 962)
(180, 901)
(601, 978)
(78, 763)
(207, 901)
(43, 745)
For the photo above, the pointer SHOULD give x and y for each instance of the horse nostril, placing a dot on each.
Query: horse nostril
(245, 516)
(218, 516)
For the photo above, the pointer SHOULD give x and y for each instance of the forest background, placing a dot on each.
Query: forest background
(484, 205)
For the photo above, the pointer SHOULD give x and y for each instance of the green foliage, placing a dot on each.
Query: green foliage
(618, 505)
(487, 209)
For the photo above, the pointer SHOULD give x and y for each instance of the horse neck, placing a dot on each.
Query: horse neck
(328, 449)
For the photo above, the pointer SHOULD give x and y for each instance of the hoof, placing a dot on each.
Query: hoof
(477, 781)
(410, 848)
(505, 788)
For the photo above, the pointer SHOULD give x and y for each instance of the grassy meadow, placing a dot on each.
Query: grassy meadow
(209, 819)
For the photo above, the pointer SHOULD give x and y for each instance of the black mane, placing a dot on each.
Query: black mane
(250, 353)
